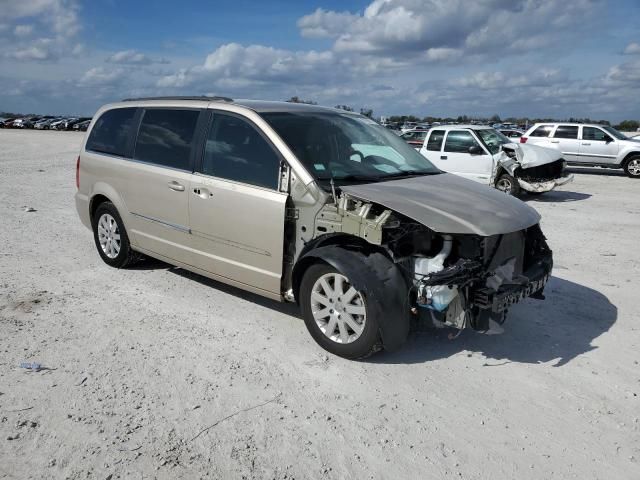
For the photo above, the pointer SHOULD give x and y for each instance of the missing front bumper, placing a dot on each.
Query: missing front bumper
(544, 186)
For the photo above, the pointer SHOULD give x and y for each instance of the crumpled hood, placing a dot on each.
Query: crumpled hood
(447, 203)
(530, 155)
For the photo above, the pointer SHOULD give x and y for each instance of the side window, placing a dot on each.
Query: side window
(542, 131)
(459, 141)
(435, 140)
(235, 150)
(111, 132)
(593, 133)
(566, 131)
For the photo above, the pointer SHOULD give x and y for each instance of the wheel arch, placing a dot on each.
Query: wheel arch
(629, 156)
(103, 192)
(371, 271)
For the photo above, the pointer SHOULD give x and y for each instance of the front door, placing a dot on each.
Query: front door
(455, 152)
(236, 210)
(597, 146)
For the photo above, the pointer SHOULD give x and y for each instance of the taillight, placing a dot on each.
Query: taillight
(78, 173)
(523, 139)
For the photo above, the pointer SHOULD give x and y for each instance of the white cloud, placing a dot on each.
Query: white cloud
(100, 76)
(23, 30)
(133, 57)
(632, 49)
(42, 29)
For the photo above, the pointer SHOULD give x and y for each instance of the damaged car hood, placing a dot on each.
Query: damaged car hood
(529, 155)
(447, 203)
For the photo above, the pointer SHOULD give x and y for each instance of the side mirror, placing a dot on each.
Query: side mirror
(475, 150)
(608, 140)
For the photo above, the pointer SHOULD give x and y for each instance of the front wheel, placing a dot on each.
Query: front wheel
(632, 167)
(337, 315)
(507, 184)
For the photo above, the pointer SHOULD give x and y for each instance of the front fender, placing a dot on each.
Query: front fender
(378, 278)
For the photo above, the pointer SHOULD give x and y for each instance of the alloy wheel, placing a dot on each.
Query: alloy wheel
(109, 235)
(338, 308)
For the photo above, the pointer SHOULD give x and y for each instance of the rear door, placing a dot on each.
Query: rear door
(157, 184)
(597, 146)
(455, 153)
(565, 139)
(432, 148)
(237, 210)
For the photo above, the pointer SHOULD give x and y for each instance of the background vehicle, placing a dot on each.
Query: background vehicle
(45, 124)
(588, 145)
(511, 132)
(485, 155)
(300, 202)
(81, 126)
(415, 138)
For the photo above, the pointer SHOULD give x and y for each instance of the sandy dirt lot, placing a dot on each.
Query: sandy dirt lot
(137, 363)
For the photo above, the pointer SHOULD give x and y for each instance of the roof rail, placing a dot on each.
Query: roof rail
(187, 97)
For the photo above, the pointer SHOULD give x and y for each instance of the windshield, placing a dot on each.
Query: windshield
(347, 147)
(492, 139)
(615, 133)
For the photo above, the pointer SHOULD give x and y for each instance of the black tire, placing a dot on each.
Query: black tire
(369, 341)
(507, 184)
(631, 165)
(125, 256)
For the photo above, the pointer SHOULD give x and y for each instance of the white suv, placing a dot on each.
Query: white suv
(588, 144)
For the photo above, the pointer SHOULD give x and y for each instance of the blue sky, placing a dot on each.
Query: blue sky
(553, 58)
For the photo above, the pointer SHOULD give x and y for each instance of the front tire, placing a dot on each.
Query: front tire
(337, 315)
(111, 238)
(632, 167)
(507, 184)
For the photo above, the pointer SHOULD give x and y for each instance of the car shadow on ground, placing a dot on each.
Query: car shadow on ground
(609, 172)
(282, 307)
(558, 329)
(556, 196)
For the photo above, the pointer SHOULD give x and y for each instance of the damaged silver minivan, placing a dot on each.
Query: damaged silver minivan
(308, 204)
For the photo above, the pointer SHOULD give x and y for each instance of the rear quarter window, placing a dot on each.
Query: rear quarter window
(112, 131)
(435, 140)
(542, 131)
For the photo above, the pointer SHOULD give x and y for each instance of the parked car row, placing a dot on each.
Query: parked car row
(48, 122)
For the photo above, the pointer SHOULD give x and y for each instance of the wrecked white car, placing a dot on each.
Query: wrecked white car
(485, 155)
(312, 205)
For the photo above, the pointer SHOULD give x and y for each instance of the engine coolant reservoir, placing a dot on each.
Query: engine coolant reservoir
(438, 297)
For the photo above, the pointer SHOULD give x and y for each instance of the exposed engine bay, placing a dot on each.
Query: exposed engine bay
(457, 280)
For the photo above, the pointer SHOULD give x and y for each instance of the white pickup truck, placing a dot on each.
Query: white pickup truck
(485, 155)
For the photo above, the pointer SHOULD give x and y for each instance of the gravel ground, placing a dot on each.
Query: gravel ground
(154, 372)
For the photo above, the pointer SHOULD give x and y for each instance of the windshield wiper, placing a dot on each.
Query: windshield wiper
(409, 173)
(356, 178)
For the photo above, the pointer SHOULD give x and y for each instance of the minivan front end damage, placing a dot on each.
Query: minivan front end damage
(467, 278)
(474, 284)
(537, 169)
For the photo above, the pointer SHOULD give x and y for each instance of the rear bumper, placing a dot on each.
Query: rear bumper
(545, 186)
(82, 206)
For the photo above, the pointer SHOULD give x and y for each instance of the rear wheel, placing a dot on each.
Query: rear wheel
(111, 237)
(336, 314)
(632, 167)
(507, 184)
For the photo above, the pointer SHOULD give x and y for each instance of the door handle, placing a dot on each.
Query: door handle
(175, 186)
(443, 157)
(586, 144)
(202, 192)
(555, 141)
